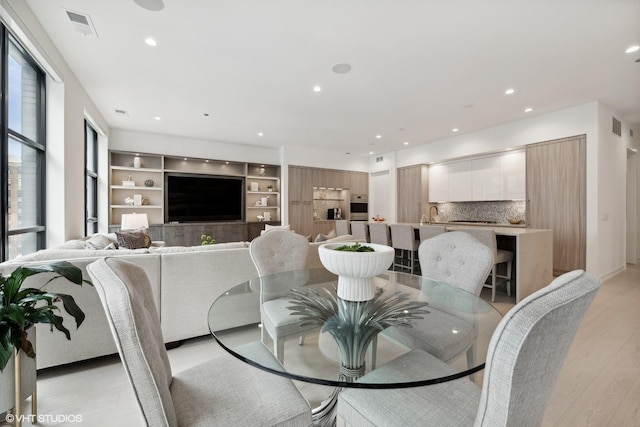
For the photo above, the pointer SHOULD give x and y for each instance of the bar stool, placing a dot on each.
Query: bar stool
(379, 233)
(488, 238)
(342, 227)
(403, 238)
(359, 231)
(429, 231)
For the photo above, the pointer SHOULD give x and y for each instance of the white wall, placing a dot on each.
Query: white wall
(383, 186)
(612, 166)
(67, 103)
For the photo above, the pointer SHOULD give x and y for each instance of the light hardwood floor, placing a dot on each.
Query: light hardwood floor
(599, 384)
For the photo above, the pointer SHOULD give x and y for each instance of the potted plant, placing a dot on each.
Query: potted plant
(21, 308)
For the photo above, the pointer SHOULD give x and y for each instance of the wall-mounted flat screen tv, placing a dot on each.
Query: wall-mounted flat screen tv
(203, 198)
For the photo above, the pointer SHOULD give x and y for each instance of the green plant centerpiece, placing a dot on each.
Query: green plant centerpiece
(207, 240)
(356, 247)
(21, 308)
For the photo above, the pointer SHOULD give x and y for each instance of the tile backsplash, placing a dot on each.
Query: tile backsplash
(498, 211)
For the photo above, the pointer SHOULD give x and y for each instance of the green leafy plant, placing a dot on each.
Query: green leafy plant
(207, 240)
(21, 308)
(357, 247)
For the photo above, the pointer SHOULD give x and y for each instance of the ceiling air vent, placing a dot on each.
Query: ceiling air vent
(82, 23)
(121, 112)
(617, 127)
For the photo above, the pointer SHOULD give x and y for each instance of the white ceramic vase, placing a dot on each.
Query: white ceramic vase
(356, 270)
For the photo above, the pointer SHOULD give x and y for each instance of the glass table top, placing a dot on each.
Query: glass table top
(344, 340)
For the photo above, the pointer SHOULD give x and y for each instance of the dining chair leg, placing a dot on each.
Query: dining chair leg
(493, 283)
(278, 348)
(471, 361)
(509, 265)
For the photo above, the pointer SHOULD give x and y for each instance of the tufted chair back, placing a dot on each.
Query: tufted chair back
(456, 258)
(125, 293)
(279, 250)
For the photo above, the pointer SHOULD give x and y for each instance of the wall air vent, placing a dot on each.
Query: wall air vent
(379, 159)
(617, 127)
(81, 23)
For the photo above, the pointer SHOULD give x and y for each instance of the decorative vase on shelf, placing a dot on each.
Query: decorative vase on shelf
(136, 162)
(356, 270)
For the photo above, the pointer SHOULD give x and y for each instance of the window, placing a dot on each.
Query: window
(90, 179)
(22, 151)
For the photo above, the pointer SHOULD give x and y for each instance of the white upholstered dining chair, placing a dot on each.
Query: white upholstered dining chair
(525, 355)
(342, 227)
(500, 256)
(221, 391)
(277, 251)
(459, 260)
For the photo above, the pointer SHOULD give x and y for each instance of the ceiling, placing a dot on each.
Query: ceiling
(227, 70)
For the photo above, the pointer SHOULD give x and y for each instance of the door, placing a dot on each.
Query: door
(412, 192)
(556, 198)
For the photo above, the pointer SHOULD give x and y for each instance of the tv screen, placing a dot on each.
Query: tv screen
(202, 198)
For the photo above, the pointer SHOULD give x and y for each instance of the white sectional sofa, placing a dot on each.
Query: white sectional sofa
(185, 282)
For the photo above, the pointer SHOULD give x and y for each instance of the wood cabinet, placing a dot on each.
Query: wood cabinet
(302, 180)
(556, 198)
(413, 189)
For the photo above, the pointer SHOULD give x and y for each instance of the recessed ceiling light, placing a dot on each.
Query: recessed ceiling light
(406, 143)
(509, 91)
(260, 134)
(206, 161)
(528, 110)
(454, 130)
(378, 136)
(157, 118)
(317, 89)
(341, 68)
(151, 42)
(632, 49)
(370, 152)
(186, 158)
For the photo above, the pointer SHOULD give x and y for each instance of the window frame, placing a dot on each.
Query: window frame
(90, 175)
(6, 40)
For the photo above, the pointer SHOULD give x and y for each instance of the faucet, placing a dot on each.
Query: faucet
(430, 210)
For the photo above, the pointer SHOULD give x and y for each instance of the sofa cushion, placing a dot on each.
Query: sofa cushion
(203, 248)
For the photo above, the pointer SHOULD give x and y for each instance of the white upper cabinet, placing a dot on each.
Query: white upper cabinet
(493, 177)
(485, 178)
(513, 176)
(438, 183)
(460, 181)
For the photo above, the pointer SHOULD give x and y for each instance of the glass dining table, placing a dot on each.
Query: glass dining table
(349, 339)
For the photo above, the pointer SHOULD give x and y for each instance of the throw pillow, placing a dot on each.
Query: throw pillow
(134, 239)
(99, 241)
(323, 237)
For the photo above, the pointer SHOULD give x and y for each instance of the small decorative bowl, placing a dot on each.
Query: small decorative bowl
(149, 183)
(514, 221)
